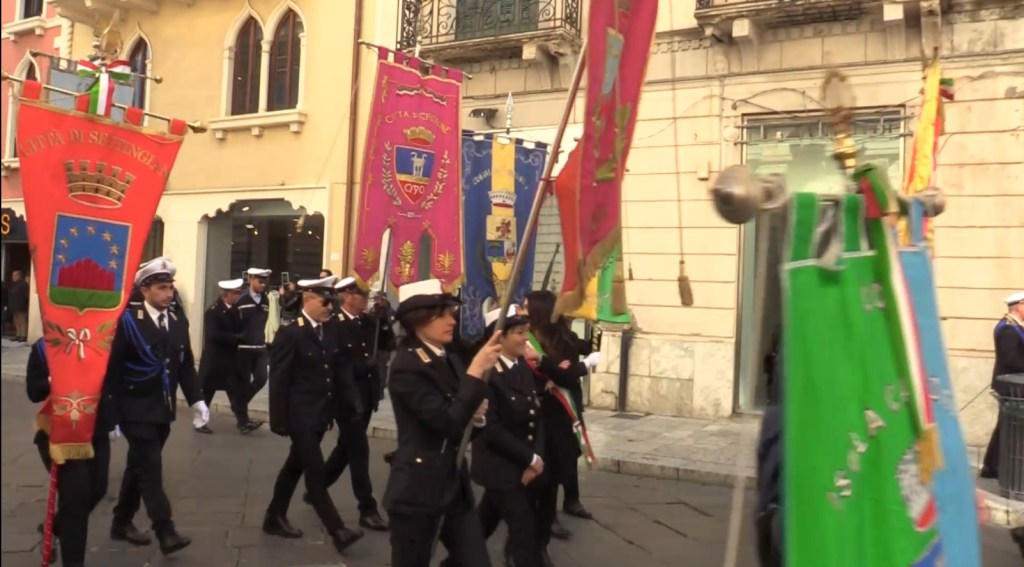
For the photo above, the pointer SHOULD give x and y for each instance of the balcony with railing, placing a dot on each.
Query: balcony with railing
(479, 29)
(99, 13)
(778, 13)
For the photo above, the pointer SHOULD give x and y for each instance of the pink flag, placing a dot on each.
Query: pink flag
(411, 174)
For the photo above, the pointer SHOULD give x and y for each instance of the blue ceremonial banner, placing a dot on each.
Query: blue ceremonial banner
(500, 176)
(953, 485)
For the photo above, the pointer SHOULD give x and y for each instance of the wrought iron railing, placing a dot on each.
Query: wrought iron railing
(435, 22)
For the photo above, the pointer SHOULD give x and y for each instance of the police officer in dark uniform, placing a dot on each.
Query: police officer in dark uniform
(1009, 350)
(434, 399)
(358, 334)
(253, 309)
(81, 484)
(221, 332)
(150, 357)
(309, 384)
(508, 455)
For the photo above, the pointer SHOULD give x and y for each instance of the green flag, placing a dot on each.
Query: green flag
(851, 485)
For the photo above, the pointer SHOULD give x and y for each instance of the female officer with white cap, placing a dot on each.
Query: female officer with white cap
(434, 398)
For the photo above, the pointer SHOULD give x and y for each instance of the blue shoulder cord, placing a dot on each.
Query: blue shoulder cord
(1003, 323)
(151, 365)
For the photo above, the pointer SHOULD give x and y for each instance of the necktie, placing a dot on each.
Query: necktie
(161, 321)
(320, 332)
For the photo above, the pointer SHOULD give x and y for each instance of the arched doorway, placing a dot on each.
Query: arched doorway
(266, 233)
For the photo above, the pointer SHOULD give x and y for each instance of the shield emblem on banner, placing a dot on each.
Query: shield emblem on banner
(414, 167)
(87, 266)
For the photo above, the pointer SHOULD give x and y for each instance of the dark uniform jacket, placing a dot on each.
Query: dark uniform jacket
(310, 385)
(433, 400)
(356, 339)
(253, 318)
(37, 387)
(514, 431)
(1009, 347)
(136, 377)
(559, 425)
(222, 330)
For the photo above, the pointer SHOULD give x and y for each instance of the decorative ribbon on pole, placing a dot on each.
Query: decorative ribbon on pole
(923, 163)
(51, 510)
(78, 339)
(101, 91)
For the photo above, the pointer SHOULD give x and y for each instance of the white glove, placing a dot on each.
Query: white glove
(592, 360)
(200, 414)
(115, 433)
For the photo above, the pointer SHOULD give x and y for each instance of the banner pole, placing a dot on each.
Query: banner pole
(531, 227)
(196, 126)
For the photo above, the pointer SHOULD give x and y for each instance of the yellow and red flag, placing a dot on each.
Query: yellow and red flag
(589, 187)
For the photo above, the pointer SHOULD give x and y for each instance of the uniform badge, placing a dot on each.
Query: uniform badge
(423, 356)
(301, 321)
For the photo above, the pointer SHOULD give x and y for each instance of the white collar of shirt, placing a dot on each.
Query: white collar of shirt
(438, 351)
(257, 297)
(347, 314)
(1015, 319)
(155, 313)
(311, 320)
(508, 361)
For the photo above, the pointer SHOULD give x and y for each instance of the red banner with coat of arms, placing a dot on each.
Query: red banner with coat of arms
(92, 188)
(411, 174)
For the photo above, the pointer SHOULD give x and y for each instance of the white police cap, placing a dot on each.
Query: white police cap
(259, 272)
(157, 270)
(231, 285)
(492, 316)
(1014, 299)
(318, 285)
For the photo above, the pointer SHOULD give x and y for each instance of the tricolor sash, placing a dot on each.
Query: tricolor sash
(95, 186)
(565, 398)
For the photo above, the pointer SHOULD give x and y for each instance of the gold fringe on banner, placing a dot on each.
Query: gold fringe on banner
(71, 452)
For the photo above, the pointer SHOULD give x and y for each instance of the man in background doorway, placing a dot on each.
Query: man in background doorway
(17, 304)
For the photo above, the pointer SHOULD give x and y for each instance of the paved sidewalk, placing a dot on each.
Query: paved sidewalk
(673, 448)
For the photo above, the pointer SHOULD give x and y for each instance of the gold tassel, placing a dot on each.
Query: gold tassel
(929, 453)
(71, 452)
(685, 291)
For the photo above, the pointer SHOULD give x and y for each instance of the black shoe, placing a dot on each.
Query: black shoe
(205, 430)
(373, 521)
(545, 559)
(171, 541)
(280, 526)
(129, 533)
(250, 427)
(345, 537)
(576, 509)
(1018, 536)
(559, 531)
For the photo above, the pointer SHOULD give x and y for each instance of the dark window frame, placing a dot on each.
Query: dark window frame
(138, 59)
(286, 35)
(246, 71)
(31, 9)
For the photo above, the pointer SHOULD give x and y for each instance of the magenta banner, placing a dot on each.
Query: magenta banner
(411, 174)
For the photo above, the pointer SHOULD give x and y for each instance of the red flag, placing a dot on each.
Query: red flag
(92, 190)
(589, 188)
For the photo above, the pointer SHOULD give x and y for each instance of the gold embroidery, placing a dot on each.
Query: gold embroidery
(75, 405)
(423, 355)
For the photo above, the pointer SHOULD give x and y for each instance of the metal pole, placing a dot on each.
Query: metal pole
(196, 126)
(531, 227)
(36, 53)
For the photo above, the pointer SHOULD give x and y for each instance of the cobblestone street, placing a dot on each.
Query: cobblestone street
(220, 485)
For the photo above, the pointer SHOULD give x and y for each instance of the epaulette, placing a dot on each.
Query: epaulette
(140, 314)
(301, 321)
(498, 368)
(423, 356)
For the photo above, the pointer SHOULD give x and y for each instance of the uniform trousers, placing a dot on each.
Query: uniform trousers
(250, 378)
(990, 464)
(527, 526)
(81, 485)
(305, 459)
(353, 451)
(143, 480)
(413, 534)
